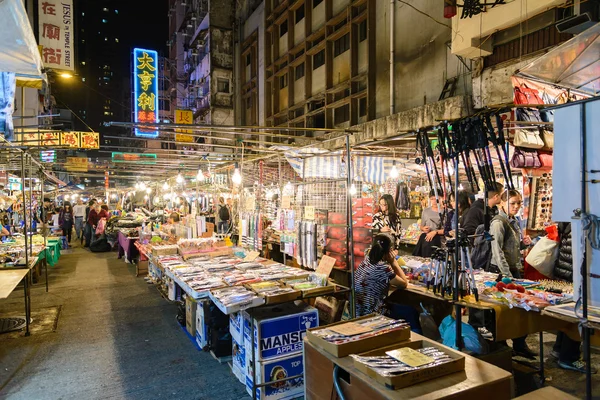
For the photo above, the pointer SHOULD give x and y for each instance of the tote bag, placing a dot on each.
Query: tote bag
(528, 139)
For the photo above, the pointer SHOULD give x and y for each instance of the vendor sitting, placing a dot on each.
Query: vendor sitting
(173, 218)
(374, 275)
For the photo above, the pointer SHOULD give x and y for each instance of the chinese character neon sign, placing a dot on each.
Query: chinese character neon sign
(145, 90)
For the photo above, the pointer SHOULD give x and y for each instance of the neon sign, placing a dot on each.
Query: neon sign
(145, 89)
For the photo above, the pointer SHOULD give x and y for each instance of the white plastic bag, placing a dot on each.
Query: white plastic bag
(543, 256)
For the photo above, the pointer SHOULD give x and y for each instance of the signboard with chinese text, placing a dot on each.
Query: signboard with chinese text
(56, 34)
(89, 140)
(77, 164)
(142, 158)
(69, 139)
(78, 140)
(145, 90)
(184, 117)
(48, 156)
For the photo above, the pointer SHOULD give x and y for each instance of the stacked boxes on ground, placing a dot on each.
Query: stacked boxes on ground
(277, 339)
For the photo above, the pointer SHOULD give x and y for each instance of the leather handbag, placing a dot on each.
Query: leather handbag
(548, 139)
(524, 158)
(545, 160)
(525, 95)
(528, 138)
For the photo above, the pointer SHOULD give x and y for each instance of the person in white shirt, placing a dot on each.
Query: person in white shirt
(79, 212)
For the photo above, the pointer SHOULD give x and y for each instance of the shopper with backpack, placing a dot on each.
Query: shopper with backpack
(506, 250)
(224, 217)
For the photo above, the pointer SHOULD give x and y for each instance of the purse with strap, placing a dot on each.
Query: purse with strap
(528, 138)
(525, 95)
(523, 158)
(548, 139)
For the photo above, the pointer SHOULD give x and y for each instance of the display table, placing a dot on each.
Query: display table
(478, 380)
(10, 279)
(126, 247)
(546, 393)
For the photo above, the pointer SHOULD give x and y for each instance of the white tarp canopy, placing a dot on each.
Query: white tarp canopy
(19, 50)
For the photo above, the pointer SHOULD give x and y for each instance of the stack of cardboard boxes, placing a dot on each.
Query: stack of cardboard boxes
(277, 340)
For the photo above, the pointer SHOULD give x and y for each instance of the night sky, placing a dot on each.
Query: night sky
(148, 25)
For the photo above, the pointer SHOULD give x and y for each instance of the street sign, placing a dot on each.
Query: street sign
(77, 164)
(184, 117)
(145, 89)
(77, 140)
(142, 158)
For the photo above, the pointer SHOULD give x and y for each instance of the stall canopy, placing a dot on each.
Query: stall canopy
(575, 64)
(19, 52)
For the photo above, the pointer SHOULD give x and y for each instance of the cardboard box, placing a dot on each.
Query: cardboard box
(141, 268)
(358, 346)
(277, 299)
(318, 291)
(174, 291)
(236, 327)
(278, 368)
(280, 330)
(201, 325)
(413, 377)
(238, 364)
(191, 307)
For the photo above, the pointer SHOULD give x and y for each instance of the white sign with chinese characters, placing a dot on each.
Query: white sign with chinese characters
(57, 34)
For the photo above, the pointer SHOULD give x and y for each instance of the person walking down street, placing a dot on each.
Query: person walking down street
(224, 217)
(91, 221)
(65, 221)
(79, 213)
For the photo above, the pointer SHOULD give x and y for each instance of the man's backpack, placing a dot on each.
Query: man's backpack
(224, 213)
(481, 255)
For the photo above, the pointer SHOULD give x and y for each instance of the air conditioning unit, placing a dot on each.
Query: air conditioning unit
(585, 15)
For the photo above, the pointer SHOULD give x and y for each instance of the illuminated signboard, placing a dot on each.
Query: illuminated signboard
(145, 89)
(142, 158)
(48, 156)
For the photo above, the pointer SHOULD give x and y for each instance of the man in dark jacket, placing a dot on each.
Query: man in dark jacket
(471, 220)
(566, 350)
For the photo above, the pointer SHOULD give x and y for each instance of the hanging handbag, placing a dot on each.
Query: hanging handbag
(545, 159)
(528, 138)
(525, 95)
(523, 158)
(548, 139)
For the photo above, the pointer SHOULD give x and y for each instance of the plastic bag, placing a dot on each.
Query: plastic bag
(552, 233)
(543, 256)
(471, 338)
(101, 226)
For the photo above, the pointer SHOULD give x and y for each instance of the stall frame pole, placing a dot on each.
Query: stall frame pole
(44, 233)
(350, 232)
(455, 280)
(26, 279)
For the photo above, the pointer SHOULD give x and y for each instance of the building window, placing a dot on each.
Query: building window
(341, 45)
(106, 113)
(106, 39)
(104, 20)
(362, 31)
(342, 114)
(116, 40)
(300, 14)
(283, 29)
(319, 59)
(299, 71)
(316, 3)
(82, 79)
(116, 11)
(248, 59)
(283, 81)
(223, 85)
(362, 107)
(105, 9)
(83, 63)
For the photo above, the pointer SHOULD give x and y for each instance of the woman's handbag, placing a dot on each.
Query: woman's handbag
(523, 158)
(528, 138)
(548, 139)
(543, 256)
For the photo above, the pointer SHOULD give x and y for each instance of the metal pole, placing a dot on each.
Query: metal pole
(31, 199)
(584, 267)
(26, 288)
(349, 222)
(457, 307)
(44, 233)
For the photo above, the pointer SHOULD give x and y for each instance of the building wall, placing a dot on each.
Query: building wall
(254, 23)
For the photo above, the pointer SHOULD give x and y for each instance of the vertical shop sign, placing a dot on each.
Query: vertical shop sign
(145, 90)
(56, 34)
(184, 117)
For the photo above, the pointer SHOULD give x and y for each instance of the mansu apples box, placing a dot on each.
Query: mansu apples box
(280, 330)
(276, 369)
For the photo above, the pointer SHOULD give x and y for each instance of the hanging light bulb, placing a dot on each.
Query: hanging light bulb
(179, 178)
(200, 176)
(142, 186)
(236, 178)
(394, 171)
(66, 197)
(146, 197)
(148, 190)
(165, 186)
(178, 200)
(288, 187)
(114, 196)
(461, 187)
(137, 186)
(381, 189)
(353, 189)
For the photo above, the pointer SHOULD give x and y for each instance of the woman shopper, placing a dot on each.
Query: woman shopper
(65, 221)
(387, 219)
(374, 275)
(92, 221)
(432, 228)
(506, 249)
